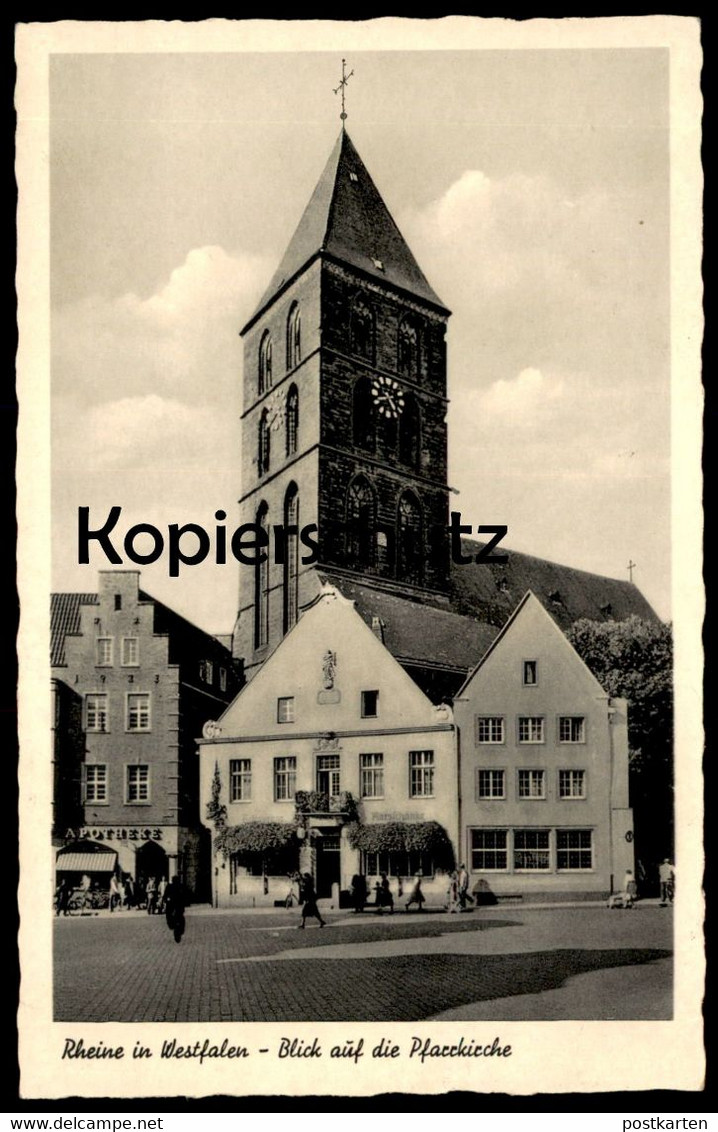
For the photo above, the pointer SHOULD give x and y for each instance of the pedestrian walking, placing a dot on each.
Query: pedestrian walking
(151, 896)
(129, 891)
(384, 898)
(359, 892)
(115, 898)
(452, 894)
(667, 877)
(416, 896)
(309, 906)
(63, 892)
(629, 891)
(463, 887)
(161, 895)
(175, 908)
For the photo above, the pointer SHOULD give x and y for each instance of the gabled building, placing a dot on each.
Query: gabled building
(344, 426)
(543, 756)
(133, 682)
(331, 761)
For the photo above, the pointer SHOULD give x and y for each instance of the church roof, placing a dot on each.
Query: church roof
(492, 592)
(419, 634)
(347, 220)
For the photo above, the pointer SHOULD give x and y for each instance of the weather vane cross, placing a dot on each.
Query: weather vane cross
(342, 87)
(631, 567)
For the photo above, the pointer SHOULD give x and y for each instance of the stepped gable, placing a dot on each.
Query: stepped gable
(65, 622)
(416, 633)
(347, 220)
(492, 592)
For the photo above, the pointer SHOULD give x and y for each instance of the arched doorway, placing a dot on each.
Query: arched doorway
(151, 861)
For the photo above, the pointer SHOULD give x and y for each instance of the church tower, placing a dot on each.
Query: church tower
(344, 413)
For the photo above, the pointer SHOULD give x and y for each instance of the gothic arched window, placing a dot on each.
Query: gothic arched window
(294, 337)
(410, 557)
(264, 381)
(362, 331)
(261, 585)
(291, 557)
(364, 425)
(408, 353)
(292, 420)
(263, 447)
(410, 432)
(361, 509)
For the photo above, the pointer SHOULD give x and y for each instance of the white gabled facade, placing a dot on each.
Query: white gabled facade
(331, 730)
(543, 758)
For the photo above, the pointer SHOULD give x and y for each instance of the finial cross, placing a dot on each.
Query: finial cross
(342, 87)
(631, 567)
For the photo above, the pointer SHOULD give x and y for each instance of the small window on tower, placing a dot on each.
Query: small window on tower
(118, 601)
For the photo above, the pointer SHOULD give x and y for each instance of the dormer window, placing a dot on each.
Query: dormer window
(353, 176)
(378, 264)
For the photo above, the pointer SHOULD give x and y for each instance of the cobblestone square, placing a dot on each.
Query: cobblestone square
(506, 963)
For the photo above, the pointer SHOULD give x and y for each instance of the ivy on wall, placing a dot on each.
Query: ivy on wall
(254, 837)
(409, 837)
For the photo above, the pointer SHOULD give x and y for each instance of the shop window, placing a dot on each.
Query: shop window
(489, 850)
(574, 849)
(531, 850)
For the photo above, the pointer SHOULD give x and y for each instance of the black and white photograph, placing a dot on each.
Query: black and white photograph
(362, 437)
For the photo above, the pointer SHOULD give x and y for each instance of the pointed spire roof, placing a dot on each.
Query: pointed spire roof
(347, 220)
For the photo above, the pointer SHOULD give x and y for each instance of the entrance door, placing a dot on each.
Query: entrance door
(328, 863)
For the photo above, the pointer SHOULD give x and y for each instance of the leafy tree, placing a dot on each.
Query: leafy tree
(634, 659)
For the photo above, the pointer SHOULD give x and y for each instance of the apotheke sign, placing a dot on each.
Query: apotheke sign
(114, 833)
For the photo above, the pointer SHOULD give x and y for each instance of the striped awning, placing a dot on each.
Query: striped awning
(86, 862)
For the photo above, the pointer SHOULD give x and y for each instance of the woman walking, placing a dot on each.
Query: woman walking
(309, 896)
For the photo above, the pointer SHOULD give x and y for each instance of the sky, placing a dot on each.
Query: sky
(532, 187)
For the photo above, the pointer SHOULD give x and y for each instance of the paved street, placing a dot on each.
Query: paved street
(506, 963)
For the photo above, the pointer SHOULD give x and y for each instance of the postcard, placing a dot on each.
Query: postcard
(360, 557)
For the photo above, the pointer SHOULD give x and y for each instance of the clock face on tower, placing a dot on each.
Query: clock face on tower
(388, 397)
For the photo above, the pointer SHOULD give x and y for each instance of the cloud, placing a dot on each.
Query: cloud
(147, 431)
(522, 401)
(180, 342)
